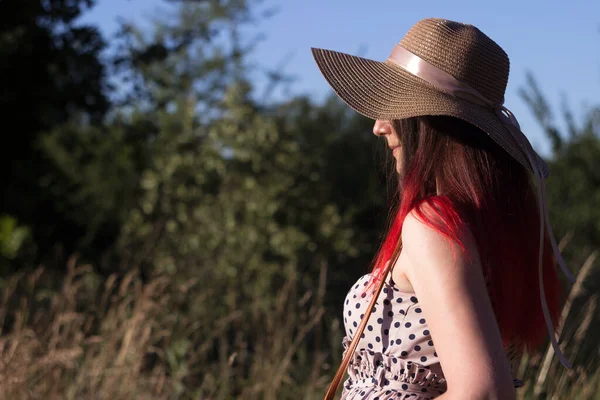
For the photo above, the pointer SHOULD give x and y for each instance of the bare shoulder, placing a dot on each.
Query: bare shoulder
(428, 255)
(421, 241)
(422, 244)
(449, 284)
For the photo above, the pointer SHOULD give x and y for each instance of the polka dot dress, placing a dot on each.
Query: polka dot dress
(395, 357)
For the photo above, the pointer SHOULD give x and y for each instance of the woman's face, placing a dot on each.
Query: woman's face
(385, 129)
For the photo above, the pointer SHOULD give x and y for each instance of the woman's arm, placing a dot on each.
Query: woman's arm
(451, 289)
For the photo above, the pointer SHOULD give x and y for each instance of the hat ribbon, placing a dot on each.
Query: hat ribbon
(445, 82)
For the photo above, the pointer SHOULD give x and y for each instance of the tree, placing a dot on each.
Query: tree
(245, 196)
(50, 73)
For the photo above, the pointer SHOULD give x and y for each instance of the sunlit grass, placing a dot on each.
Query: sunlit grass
(115, 338)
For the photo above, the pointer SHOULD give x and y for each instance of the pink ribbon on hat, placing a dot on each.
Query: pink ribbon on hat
(447, 83)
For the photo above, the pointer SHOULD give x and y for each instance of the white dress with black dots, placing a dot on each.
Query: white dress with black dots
(395, 357)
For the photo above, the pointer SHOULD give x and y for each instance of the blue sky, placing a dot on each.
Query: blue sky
(557, 40)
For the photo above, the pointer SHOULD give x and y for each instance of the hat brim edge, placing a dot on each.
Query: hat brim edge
(346, 74)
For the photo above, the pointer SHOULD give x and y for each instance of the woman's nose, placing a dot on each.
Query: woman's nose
(382, 128)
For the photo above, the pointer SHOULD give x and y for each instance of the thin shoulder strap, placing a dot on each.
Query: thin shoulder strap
(337, 379)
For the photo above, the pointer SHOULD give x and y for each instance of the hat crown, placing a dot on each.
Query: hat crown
(464, 52)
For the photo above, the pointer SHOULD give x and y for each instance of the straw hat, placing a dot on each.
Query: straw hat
(440, 67)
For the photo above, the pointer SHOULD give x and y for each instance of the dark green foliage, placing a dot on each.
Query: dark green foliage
(50, 73)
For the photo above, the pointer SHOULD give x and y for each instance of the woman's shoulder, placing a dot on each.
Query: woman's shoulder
(436, 225)
(429, 249)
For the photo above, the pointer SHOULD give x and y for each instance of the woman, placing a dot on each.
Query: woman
(465, 279)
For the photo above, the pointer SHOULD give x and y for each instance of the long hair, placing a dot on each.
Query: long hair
(486, 190)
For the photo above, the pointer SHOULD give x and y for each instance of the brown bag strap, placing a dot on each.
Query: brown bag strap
(337, 379)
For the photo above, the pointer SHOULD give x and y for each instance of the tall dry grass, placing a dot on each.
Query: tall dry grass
(87, 337)
(545, 377)
(121, 338)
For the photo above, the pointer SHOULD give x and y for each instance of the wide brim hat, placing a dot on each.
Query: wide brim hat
(421, 75)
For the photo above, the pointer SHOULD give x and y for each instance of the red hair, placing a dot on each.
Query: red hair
(486, 190)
